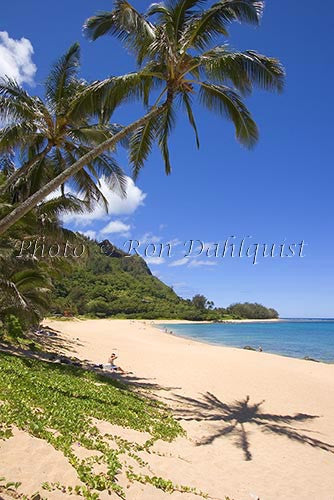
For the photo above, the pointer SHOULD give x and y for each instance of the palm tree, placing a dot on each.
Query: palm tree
(24, 292)
(49, 136)
(179, 60)
(174, 44)
(26, 279)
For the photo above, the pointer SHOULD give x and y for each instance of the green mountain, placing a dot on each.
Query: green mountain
(108, 282)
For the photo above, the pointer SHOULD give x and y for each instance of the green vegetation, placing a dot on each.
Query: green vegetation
(201, 302)
(118, 286)
(57, 403)
(123, 286)
(251, 311)
(101, 284)
(55, 132)
(45, 137)
(25, 277)
(65, 140)
(182, 54)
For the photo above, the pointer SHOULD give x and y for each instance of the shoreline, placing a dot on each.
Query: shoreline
(167, 321)
(258, 425)
(225, 346)
(153, 327)
(157, 324)
(186, 321)
(207, 342)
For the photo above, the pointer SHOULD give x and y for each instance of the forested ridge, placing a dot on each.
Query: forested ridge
(107, 282)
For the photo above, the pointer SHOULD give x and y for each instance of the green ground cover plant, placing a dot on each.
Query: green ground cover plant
(60, 404)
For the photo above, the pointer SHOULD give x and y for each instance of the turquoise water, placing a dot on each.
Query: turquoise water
(295, 338)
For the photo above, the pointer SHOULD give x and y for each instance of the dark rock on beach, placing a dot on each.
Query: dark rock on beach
(307, 358)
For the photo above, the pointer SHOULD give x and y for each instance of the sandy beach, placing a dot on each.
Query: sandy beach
(258, 425)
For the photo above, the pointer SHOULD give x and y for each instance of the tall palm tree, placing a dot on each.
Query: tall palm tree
(174, 44)
(54, 129)
(179, 59)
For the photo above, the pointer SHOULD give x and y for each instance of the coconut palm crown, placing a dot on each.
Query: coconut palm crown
(177, 45)
(49, 135)
(179, 59)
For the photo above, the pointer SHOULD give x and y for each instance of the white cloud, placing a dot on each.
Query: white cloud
(198, 263)
(179, 262)
(148, 238)
(90, 234)
(154, 260)
(192, 262)
(117, 205)
(16, 59)
(116, 226)
(151, 239)
(175, 242)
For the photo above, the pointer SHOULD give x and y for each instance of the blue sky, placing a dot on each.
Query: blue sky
(280, 191)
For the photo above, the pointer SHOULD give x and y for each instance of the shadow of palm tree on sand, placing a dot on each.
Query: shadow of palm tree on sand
(237, 417)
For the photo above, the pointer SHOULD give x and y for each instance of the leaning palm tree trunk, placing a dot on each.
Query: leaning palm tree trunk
(24, 169)
(51, 186)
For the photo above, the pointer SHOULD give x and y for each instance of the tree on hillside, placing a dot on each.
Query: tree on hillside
(200, 301)
(180, 55)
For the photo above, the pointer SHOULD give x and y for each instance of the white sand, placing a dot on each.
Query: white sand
(259, 425)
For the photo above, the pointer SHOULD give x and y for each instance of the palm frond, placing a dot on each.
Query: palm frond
(12, 110)
(163, 12)
(243, 69)
(124, 22)
(89, 135)
(101, 98)
(167, 120)
(33, 173)
(182, 11)
(39, 300)
(28, 279)
(103, 165)
(9, 288)
(7, 165)
(141, 143)
(226, 102)
(11, 89)
(132, 86)
(86, 187)
(107, 168)
(62, 204)
(187, 104)
(17, 134)
(61, 76)
(101, 24)
(84, 101)
(203, 28)
(61, 265)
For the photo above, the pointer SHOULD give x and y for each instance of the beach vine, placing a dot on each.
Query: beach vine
(64, 404)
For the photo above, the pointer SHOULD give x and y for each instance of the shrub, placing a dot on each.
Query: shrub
(13, 327)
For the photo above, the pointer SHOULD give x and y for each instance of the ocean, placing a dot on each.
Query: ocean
(296, 338)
